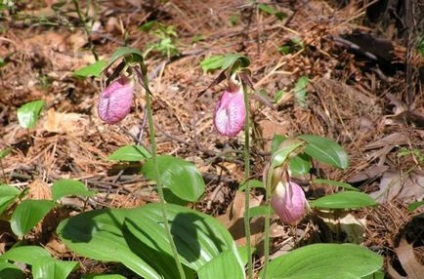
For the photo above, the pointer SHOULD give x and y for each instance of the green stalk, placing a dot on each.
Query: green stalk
(86, 29)
(247, 181)
(158, 180)
(267, 218)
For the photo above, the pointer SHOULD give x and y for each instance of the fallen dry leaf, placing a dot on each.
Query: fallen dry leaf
(407, 187)
(233, 219)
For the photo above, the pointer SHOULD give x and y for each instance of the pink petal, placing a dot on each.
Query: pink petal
(289, 202)
(230, 113)
(115, 101)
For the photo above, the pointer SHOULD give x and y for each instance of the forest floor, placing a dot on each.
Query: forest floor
(364, 92)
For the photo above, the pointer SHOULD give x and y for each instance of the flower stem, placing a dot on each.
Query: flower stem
(247, 181)
(158, 179)
(267, 219)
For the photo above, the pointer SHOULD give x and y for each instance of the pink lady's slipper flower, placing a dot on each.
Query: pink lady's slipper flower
(115, 101)
(289, 202)
(230, 113)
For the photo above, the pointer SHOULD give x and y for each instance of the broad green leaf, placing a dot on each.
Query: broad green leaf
(28, 113)
(198, 237)
(7, 195)
(96, 233)
(28, 214)
(318, 261)
(345, 199)
(123, 52)
(130, 153)
(414, 205)
(8, 270)
(5, 152)
(225, 265)
(101, 276)
(69, 187)
(49, 268)
(300, 165)
(254, 183)
(326, 151)
(25, 254)
(181, 177)
(212, 63)
(300, 92)
(333, 183)
(284, 151)
(276, 141)
(92, 70)
(160, 261)
(376, 275)
(235, 60)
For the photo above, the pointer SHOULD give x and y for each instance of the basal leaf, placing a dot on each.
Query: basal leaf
(98, 235)
(25, 254)
(69, 187)
(130, 153)
(50, 268)
(225, 265)
(198, 237)
(317, 261)
(28, 214)
(7, 195)
(179, 176)
(8, 270)
(101, 276)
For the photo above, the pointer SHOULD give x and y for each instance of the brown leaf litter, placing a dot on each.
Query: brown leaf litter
(353, 98)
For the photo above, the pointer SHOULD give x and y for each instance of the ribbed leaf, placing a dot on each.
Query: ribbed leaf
(69, 187)
(25, 254)
(199, 237)
(181, 177)
(317, 261)
(8, 270)
(7, 195)
(50, 268)
(346, 199)
(98, 235)
(130, 153)
(28, 214)
(326, 151)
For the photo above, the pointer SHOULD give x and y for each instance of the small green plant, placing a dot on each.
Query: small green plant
(268, 9)
(26, 214)
(292, 157)
(415, 153)
(165, 39)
